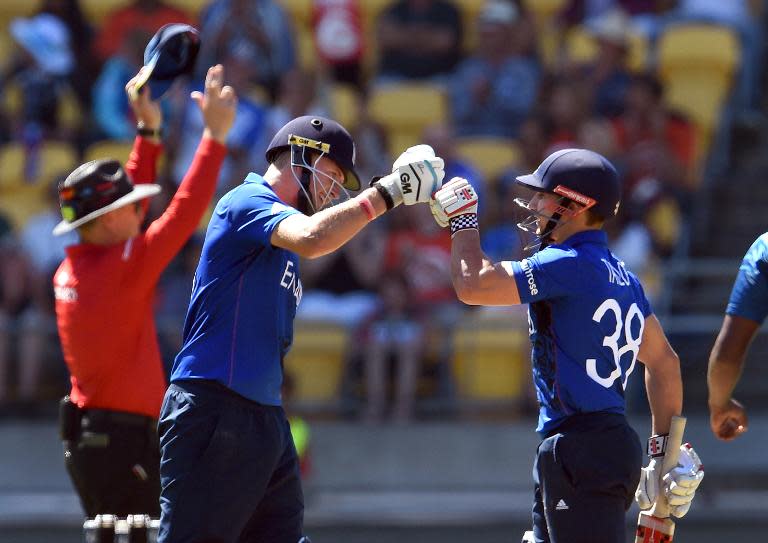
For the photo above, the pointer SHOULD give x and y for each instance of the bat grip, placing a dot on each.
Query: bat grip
(676, 428)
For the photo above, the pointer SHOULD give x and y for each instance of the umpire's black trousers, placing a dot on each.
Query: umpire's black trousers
(114, 463)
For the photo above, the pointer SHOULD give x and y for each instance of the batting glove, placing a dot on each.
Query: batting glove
(456, 204)
(679, 485)
(416, 175)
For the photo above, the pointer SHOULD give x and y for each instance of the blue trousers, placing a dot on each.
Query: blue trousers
(229, 470)
(585, 475)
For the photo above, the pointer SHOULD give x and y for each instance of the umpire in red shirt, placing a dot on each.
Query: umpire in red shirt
(104, 293)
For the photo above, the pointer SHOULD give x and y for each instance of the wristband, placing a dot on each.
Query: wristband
(368, 208)
(386, 196)
(143, 131)
(657, 445)
(467, 221)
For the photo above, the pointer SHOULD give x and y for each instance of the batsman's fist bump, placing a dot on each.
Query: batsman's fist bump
(416, 175)
(679, 485)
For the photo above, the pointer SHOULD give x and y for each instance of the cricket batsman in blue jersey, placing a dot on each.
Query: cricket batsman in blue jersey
(229, 469)
(589, 323)
(746, 311)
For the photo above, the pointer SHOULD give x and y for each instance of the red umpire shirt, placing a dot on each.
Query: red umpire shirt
(105, 294)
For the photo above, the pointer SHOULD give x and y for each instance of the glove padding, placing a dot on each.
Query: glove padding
(416, 175)
(679, 485)
(457, 197)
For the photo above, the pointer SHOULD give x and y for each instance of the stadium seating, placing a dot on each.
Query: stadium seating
(345, 105)
(580, 47)
(97, 10)
(316, 362)
(697, 64)
(118, 150)
(492, 156)
(54, 158)
(405, 110)
(490, 358)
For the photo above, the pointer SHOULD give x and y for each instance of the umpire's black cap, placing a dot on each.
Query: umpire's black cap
(321, 135)
(171, 52)
(576, 173)
(94, 189)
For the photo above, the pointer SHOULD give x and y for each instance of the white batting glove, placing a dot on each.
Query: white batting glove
(456, 204)
(416, 175)
(679, 485)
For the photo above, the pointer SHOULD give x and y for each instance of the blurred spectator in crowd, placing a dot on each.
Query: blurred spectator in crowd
(645, 14)
(493, 90)
(15, 292)
(607, 76)
(340, 286)
(84, 71)
(36, 331)
(339, 40)
(442, 139)
(146, 15)
(655, 143)
(418, 39)
(420, 250)
(258, 31)
(111, 110)
(394, 335)
(565, 105)
(502, 239)
(298, 95)
(174, 290)
(248, 129)
(40, 71)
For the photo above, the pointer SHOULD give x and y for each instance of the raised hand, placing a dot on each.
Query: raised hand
(416, 175)
(147, 111)
(218, 104)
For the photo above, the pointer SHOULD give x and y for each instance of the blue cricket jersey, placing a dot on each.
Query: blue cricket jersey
(749, 297)
(239, 324)
(586, 319)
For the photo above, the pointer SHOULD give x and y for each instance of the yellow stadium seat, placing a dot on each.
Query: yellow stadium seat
(98, 10)
(10, 9)
(345, 105)
(491, 359)
(119, 150)
(404, 110)
(21, 203)
(697, 64)
(299, 13)
(543, 10)
(316, 361)
(470, 9)
(69, 111)
(580, 47)
(492, 156)
(54, 158)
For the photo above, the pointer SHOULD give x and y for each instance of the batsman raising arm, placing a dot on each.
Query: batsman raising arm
(229, 467)
(589, 323)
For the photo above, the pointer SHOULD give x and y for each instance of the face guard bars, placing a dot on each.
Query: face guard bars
(301, 149)
(562, 214)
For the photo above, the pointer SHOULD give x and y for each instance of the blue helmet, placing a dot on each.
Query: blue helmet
(576, 175)
(580, 175)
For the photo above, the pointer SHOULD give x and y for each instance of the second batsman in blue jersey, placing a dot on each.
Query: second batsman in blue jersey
(229, 468)
(590, 323)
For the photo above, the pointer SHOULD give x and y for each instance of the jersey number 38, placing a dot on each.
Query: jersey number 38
(631, 344)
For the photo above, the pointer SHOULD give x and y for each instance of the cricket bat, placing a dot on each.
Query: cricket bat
(655, 525)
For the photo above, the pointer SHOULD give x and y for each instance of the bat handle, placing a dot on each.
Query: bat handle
(676, 428)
